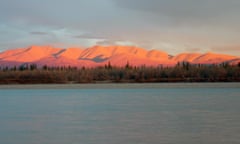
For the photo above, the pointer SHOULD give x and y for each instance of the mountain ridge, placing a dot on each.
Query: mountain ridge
(102, 55)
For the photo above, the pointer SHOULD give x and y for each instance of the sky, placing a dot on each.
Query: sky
(174, 26)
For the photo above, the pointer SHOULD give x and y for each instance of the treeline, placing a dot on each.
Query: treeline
(182, 72)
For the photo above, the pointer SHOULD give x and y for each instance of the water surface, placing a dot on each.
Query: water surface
(197, 113)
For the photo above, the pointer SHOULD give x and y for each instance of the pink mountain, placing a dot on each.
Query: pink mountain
(102, 55)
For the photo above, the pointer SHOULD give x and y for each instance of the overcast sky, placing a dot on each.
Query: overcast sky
(173, 26)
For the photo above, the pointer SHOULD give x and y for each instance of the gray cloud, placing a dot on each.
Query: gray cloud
(185, 11)
(88, 36)
(107, 42)
(61, 13)
(38, 33)
(170, 25)
(234, 48)
(193, 49)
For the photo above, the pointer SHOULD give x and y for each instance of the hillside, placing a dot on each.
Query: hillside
(102, 55)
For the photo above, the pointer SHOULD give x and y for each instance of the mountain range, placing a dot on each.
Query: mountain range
(102, 55)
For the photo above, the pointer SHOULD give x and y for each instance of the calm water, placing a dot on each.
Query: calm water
(120, 114)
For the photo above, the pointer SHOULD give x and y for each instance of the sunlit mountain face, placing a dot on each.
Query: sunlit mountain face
(102, 55)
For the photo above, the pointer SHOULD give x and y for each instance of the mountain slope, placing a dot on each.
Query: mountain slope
(30, 54)
(71, 53)
(102, 55)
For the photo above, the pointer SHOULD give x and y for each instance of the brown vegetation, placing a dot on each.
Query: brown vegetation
(182, 72)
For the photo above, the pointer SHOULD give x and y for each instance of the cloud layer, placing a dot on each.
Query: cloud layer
(173, 25)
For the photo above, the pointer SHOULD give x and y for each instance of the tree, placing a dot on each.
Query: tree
(108, 66)
(23, 67)
(186, 65)
(14, 68)
(45, 67)
(127, 66)
(33, 66)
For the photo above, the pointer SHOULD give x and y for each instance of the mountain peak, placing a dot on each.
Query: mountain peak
(101, 55)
